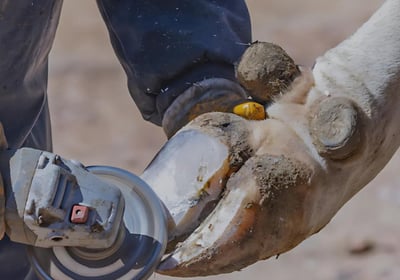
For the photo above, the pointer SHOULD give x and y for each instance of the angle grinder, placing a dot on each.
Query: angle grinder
(96, 222)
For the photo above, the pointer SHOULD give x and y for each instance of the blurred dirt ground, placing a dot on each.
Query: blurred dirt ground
(95, 121)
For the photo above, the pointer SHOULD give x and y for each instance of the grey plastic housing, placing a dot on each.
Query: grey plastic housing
(41, 194)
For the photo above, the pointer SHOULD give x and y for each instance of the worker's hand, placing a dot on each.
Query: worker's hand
(240, 191)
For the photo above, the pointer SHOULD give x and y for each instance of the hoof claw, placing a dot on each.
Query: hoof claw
(335, 128)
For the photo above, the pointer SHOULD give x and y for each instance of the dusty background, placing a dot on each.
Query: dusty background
(95, 121)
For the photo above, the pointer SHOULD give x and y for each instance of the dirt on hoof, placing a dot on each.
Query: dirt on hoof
(276, 175)
(229, 128)
(266, 70)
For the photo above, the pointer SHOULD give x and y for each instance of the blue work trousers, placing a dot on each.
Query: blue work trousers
(163, 46)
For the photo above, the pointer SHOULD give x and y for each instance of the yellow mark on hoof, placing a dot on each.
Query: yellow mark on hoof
(250, 110)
